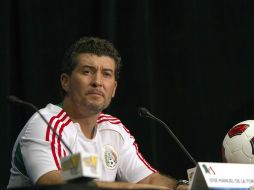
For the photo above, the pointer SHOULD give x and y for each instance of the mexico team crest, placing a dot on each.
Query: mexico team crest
(110, 157)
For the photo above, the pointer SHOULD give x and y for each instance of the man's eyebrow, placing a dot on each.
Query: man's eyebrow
(87, 66)
(93, 67)
(108, 69)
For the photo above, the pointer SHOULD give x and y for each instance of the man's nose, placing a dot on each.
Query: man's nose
(97, 79)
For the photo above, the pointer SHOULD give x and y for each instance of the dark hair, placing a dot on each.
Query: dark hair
(97, 46)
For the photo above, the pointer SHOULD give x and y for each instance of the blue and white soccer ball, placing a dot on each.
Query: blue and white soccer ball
(238, 144)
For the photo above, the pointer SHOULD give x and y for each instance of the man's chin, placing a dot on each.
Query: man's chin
(95, 108)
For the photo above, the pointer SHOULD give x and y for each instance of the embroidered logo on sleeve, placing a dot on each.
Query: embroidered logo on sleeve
(110, 157)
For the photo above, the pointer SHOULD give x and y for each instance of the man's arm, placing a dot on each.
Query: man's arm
(52, 177)
(153, 181)
(161, 180)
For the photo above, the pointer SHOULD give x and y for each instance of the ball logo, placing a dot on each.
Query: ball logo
(110, 157)
(237, 130)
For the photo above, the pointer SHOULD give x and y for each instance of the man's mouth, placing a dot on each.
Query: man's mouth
(96, 92)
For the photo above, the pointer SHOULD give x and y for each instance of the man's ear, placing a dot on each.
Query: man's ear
(114, 90)
(65, 82)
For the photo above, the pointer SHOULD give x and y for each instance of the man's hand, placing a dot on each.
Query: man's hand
(158, 179)
(161, 180)
(182, 187)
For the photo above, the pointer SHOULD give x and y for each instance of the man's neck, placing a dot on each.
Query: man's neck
(86, 121)
(87, 126)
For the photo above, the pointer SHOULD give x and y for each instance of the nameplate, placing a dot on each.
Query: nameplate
(223, 176)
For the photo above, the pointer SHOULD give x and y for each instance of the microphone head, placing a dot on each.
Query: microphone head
(143, 112)
(14, 99)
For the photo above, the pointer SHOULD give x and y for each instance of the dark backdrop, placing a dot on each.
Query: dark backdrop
(189, 62)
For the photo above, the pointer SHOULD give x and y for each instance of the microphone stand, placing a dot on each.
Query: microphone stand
(143, 112)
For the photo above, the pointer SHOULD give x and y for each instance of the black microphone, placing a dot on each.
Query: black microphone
(15, 99)
(143, 112)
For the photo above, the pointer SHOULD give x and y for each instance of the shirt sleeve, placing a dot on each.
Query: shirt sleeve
(36, 150)
(132, 166)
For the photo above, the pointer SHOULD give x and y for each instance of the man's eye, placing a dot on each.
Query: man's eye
(107, 74)
(86, 72)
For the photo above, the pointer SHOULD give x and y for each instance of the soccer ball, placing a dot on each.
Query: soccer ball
(238, 144)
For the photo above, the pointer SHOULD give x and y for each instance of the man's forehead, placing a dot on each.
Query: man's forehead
(93, 60)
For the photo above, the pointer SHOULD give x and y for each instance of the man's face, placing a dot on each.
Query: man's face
(92, 83)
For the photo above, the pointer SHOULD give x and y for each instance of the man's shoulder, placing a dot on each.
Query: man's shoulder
(109, 122)
(112, 131)
(51, 109)
(51, 115)
(49, 112)
(108, 118)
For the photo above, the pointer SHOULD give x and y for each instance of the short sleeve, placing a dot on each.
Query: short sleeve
(132, 166)
(41, 149)
(36, 151)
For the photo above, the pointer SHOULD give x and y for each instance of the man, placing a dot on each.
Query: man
(89, 80)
